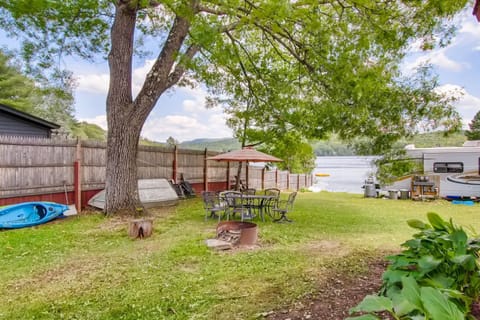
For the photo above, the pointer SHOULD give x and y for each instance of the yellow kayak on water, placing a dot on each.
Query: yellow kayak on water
(322, 174)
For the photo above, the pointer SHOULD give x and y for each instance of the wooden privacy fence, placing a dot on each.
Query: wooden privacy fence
(71, 171)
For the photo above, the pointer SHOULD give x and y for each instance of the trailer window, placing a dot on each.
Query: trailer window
(446, 167)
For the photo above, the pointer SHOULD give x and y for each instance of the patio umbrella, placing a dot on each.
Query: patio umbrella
(247, 154)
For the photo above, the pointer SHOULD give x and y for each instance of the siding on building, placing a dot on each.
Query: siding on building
(16, 123)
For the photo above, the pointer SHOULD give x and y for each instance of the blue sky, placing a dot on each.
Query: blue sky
(181, 113)
(457, 65)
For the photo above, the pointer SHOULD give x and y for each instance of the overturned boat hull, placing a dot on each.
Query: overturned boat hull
(152, 192)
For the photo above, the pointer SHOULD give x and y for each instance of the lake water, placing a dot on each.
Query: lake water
(346, 174)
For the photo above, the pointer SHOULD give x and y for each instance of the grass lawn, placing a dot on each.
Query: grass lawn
(86, 267)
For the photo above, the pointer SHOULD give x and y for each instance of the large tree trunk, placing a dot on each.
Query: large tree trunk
(121, 174)
(122, 141)
(126, 116)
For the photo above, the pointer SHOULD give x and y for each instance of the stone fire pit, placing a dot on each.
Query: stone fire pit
(230, 234)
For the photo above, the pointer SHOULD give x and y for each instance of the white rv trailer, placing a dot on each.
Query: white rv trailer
(458, 168)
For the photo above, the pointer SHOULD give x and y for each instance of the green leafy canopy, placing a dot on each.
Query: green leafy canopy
(308, 68)
(311, 67)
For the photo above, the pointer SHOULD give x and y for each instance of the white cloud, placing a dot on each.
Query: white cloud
(468, 36)
(190, 105)
(470, 32)
(196, 104)
(470, 27)
(184, 128)
(196, 91)
(139, 75)
(98, 82)
(452, 90)
(190, 119)
(93, 83)
(437, 58)
(100, 120)
(180, 127)
(467, 105)
(440, 59)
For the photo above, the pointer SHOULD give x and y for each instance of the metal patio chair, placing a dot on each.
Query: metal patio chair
(271, 202)
(283, 208)
(250, 191)
(237, 204)
(214, 205)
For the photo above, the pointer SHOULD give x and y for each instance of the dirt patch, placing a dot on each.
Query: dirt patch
(120, 221)
(326, 248)
(73, 271)
(326, 245)
(335, 296)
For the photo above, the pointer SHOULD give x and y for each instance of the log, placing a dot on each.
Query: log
(140, 228)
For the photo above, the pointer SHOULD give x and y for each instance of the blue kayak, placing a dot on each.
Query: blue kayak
(27, 214)
(464, 202)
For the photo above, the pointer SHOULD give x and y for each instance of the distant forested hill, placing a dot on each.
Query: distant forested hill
(89, 131)
(221, 145)
(331, 147)
(438, 139)
(335, 147)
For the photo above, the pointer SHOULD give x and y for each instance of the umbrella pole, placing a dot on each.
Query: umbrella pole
(239, 172)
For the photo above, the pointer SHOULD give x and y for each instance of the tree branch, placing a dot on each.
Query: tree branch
(180, 69)
(244, 70)
(211, 11)
(157, 79)
(286, 46)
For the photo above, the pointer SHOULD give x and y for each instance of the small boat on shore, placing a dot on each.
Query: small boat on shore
(152, 193)
(322, 174)
(28, 214)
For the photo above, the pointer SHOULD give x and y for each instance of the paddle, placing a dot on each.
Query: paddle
(72, 210)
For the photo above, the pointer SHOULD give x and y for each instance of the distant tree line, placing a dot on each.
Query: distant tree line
(474, 132)
(50, 98)
(333, 146)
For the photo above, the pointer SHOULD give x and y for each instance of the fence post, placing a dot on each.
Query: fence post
(205, 171)
(247, 174)
(263, 178)
(174, 164)
(228, 176)
(276, 178)
(77, 177)
(298, 182)
(288, 180)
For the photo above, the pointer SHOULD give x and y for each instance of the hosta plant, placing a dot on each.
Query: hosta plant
(436, 276)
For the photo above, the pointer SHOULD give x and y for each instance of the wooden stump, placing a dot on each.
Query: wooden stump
(140, 228)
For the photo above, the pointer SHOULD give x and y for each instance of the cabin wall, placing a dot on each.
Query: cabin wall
(14, 126)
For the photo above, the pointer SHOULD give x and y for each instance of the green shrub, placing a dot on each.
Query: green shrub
(436, 276)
